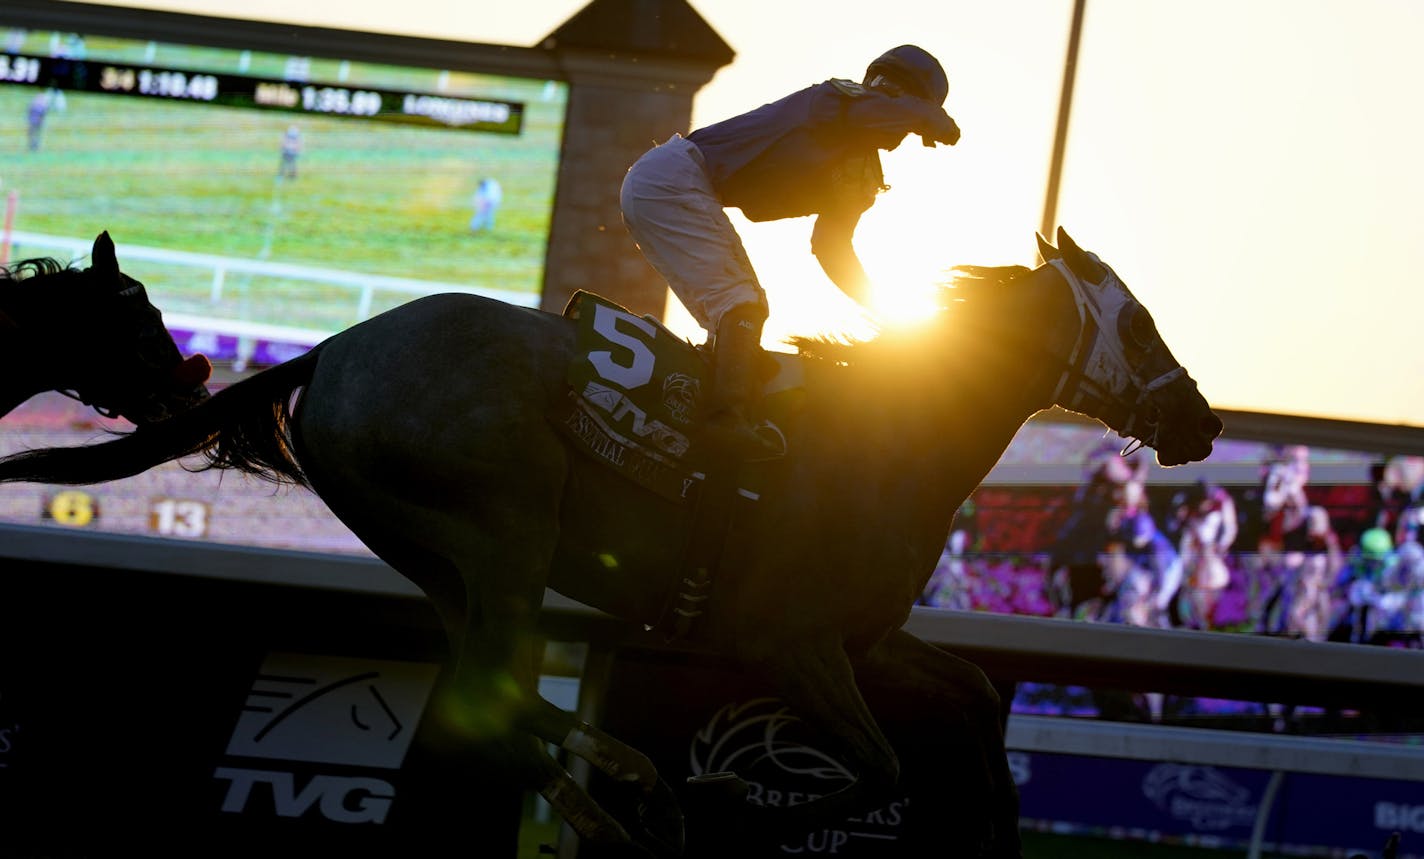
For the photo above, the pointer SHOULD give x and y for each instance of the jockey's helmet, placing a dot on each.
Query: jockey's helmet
(914, 69)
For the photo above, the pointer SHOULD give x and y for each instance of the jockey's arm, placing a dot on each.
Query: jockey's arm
(831, 243)
(888, 119)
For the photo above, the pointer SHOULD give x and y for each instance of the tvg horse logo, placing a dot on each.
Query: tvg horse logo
(324, 710)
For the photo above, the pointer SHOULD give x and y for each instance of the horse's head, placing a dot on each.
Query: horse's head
(103, 341)
(1120, 371)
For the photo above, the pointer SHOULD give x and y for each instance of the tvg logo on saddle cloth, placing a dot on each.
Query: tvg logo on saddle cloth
(642, 378)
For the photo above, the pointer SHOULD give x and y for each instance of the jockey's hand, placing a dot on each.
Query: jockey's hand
(942, 132)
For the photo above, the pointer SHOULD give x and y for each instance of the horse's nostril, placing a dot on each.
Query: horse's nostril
(1210, 425)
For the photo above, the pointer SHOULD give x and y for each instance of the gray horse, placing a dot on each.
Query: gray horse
(428, 431)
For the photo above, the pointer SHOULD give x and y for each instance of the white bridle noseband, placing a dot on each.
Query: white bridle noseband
(1098, 367)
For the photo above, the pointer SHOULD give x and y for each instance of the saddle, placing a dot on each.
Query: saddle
(635, 401)
(635, 398)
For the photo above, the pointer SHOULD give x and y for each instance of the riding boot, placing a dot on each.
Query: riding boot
(736, 384)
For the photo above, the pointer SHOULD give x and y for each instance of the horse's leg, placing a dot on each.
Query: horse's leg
(494, 686)
(489, 620)
(953, 706)
(814, 677)
(948, 701)
(659, 817)
(613, 758)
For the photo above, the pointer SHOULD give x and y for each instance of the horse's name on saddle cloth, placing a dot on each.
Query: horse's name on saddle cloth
(640, 464)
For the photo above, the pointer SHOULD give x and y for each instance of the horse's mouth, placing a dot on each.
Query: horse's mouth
(1192, 444)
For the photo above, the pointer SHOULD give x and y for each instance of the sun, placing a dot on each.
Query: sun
(906, 276)
(905, 295)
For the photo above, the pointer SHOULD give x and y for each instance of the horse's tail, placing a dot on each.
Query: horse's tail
(245, 427)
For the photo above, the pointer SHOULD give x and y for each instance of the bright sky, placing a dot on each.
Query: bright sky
(1251, 170)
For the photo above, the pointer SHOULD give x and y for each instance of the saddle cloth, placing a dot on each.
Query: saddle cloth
(636, 392)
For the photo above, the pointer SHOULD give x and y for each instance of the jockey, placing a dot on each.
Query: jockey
(814, 152)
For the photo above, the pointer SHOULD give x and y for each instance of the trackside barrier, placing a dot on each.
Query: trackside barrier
(1181, 662)
(1250, 777)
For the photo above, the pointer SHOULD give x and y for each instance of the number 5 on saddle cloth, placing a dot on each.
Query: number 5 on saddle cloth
(636, 393)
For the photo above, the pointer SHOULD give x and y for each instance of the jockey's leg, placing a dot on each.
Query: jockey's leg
(736, 385)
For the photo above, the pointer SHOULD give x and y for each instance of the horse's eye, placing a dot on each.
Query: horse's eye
(1136, 327)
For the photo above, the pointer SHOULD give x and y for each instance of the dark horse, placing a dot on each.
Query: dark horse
(427, 430)
(92, 334)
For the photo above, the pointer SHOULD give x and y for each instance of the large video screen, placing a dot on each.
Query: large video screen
(268, 198)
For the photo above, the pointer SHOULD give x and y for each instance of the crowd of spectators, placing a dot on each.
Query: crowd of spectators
(1260, 558)
(1264, 557)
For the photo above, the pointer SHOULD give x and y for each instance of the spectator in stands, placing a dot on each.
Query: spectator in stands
(1304, 606)
(1399, 606)
(1306, 599)
(1075, 561)
(1399, 488)
(1298, 551)
(1360, 584)
(951, 585)
(1208, 526)
(1142, 566)
(1284, 506)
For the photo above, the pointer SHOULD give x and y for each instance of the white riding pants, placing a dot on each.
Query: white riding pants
(678, 222)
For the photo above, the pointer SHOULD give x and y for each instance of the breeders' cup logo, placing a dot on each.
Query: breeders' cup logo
(680, 396)
(767, 745)
(1202, 796)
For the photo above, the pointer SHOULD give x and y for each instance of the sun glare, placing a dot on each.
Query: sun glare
(905, 277)
(905, 299)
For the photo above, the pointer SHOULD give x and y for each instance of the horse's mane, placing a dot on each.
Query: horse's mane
(965, 282)
(32, 268)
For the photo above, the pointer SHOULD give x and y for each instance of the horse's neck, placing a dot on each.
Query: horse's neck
(940, 413)
(1000, 371)
(18, 383)
(24, 364)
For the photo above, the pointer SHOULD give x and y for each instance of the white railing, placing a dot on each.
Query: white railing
(365, 285)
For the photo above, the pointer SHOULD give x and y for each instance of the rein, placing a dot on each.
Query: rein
(1090, 343)
(104, 411)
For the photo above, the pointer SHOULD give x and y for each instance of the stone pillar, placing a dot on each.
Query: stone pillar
(619, 107)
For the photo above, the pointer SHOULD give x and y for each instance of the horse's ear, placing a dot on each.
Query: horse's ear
(1045, 250)
(104, 260)
(1078, 259)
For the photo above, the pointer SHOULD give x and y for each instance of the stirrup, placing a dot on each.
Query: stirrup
(774, 438)
(743, 440)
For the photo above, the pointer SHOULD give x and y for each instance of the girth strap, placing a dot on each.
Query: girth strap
(708, 527)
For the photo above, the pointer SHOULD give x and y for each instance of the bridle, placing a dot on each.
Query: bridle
(132, 406)
(1098, 371)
